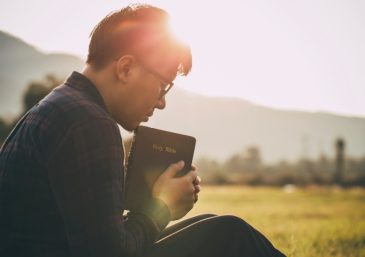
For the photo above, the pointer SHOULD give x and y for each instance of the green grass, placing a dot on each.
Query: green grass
(305, 223)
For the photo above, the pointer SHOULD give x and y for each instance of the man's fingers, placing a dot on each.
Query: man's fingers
(173, 169)
(197, 181)
(196, 198)
(197, 188)
(192, 175)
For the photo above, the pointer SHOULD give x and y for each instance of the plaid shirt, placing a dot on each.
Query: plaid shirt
(61, 182)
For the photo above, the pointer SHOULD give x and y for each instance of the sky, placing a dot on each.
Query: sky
(299, 55)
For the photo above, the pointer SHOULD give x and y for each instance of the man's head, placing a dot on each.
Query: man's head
(134, 58)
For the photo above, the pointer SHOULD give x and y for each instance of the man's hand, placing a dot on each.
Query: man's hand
(178, 193)
(196, 184)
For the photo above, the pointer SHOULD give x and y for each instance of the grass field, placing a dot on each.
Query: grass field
(302, 223)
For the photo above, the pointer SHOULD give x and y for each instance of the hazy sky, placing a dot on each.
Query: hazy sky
(304, 55)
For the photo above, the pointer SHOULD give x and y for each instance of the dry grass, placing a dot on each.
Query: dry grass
(304, 223)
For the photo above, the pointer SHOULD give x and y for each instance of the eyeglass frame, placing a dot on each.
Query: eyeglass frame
(169, 85)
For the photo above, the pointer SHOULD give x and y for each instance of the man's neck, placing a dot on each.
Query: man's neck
(101, 81)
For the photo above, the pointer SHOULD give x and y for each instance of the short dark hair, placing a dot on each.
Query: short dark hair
(133, 30)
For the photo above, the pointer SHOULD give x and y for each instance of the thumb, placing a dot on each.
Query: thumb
(173, 169)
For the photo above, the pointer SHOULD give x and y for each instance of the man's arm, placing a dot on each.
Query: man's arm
(86, 176)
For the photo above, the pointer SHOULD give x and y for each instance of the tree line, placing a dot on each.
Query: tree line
(246, 167)
(34, 92)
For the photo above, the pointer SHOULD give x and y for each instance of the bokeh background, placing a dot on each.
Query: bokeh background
(275, 100)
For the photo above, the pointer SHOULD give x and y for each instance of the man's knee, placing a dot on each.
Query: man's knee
(233, 223)
(206, 216)
(231, 219)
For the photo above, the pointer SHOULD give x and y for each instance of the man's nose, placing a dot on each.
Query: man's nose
(161, 104)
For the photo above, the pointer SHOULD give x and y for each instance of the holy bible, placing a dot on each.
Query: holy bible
(152, 152)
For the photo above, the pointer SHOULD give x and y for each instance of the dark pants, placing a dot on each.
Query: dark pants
(212, 236)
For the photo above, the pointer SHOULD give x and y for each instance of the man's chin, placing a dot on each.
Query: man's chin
(129, 127)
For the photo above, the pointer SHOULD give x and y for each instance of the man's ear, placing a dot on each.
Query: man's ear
(124, 66)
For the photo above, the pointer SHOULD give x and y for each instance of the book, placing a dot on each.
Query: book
(152, 152)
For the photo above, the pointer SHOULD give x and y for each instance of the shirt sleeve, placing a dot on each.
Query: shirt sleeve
(86, 177)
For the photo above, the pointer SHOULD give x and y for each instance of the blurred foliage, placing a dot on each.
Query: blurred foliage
(4, 130)
(35, 91)
(248, 168)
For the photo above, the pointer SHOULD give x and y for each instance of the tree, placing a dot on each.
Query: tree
(34, 92)
(4, 130)
(37, 90)
(252, 159)
(340, 152)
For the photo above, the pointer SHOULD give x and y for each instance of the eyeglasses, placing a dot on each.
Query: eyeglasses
(166, 85)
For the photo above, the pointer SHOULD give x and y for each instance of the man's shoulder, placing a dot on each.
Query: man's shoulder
(64, 110)
(61, 114)
(70, 106)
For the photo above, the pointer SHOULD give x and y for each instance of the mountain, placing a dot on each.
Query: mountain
(20, 64)
(225, 126)
(222, 126)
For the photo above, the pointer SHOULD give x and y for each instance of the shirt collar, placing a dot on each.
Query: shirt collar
(82, 83)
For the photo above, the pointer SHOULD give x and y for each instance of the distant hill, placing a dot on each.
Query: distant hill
(21, 63)
(225, 126)
(222, 126)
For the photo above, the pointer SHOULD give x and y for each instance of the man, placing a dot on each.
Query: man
(61, 168)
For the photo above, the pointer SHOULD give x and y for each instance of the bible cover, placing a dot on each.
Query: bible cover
(152, 151)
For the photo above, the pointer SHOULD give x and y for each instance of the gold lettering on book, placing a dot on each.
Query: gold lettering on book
(170, 149)
(157, 147)
(167, 149)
